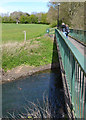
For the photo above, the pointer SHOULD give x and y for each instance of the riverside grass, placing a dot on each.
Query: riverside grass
(34, 52)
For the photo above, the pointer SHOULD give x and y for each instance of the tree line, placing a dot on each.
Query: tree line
(20, 17)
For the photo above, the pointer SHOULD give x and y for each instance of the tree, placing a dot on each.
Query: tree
(24, 19)
(33, 19)
(71, 13)
(64, 14)
(44, 18)
(78, 16)
(39, 16)
(52, 14)
(5, 19)
(16, 16)
(0, 19)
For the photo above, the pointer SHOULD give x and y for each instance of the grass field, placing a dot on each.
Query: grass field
(14, 32)
(34, 52)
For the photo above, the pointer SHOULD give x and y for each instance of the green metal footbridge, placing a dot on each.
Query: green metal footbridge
(72, 58)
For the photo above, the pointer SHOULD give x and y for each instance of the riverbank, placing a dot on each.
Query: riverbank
(24, 71)
(23, 58)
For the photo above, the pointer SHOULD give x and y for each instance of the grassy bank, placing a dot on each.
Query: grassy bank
(34, 52)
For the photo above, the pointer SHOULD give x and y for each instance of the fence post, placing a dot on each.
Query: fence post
(24, 36)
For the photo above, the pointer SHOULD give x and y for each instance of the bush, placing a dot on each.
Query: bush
(53, 24)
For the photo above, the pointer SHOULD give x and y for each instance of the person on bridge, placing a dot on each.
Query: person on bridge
(63, 28)
(67, 30)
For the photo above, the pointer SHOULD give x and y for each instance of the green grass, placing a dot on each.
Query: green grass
(14, 32)
(35, 52)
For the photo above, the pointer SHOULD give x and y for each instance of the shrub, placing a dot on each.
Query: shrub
(54, 24)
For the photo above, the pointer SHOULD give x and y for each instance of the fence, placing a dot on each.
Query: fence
(75, 71)
(79, 35)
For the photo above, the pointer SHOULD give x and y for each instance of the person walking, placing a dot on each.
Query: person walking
(63, 28)
(67, 30)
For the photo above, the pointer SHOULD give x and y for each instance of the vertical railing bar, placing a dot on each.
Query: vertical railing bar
(69, 72)
(75, 88)
(80, 93)
(73, 80)
(82, 102)
(84, 99)
(74, 84)
(78, 90)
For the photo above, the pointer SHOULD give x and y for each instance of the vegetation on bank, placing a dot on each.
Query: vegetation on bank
(38, 111)
(34, 52)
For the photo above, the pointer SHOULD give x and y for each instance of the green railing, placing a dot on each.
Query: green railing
(75, 71)
(79, 35)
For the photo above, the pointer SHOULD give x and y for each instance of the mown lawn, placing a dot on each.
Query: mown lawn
(14, 32)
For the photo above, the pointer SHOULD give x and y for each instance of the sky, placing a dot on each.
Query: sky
(29, 6)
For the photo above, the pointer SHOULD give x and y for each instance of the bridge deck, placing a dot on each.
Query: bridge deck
(79, 46)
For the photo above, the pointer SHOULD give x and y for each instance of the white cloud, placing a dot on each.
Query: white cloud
(2, 10)
(6, 1)
(67, 0)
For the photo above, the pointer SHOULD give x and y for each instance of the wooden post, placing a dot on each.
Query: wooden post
(24, 35)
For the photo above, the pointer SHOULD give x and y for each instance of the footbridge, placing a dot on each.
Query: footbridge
(72, 58)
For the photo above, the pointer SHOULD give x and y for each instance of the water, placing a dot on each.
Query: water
(16, 94)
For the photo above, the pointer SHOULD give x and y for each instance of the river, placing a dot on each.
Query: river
(17, 94)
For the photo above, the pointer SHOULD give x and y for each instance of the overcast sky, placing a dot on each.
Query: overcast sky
(28, 6)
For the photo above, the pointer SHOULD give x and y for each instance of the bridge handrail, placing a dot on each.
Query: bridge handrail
(79, 35)
(78, 56)
(78, 29)
(75, 72)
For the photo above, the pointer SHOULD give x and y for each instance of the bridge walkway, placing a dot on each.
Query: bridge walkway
(79, 46)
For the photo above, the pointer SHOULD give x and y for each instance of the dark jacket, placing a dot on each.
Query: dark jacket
(63, 28)
(67, 30)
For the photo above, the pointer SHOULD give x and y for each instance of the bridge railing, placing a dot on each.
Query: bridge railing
(79, 35)
(75, 71)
